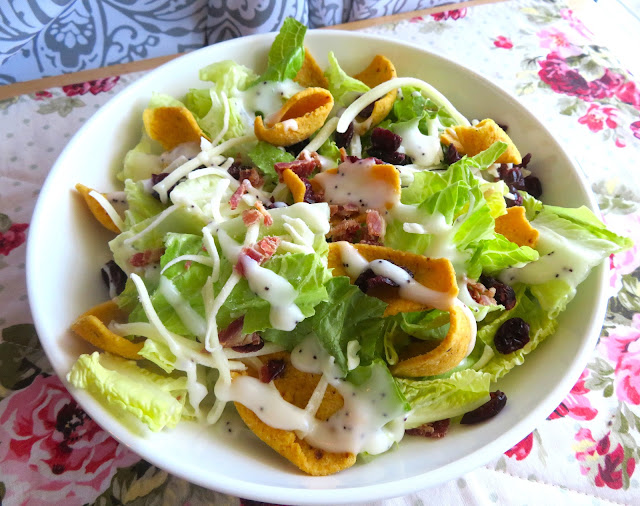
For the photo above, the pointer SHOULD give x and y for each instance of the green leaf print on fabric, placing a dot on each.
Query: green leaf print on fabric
(5, 223)
(61, 105)
(21, 357)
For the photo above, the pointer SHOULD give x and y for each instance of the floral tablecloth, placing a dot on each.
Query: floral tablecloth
(585, 452)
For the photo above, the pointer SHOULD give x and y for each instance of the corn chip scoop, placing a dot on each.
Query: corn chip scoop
(434, 273)
(172, 126)
(471, 140)
(295, 185)
(296, 387)
(379, 71)
(310, 74)
(515, 227)
(300, 116)
(99, 212)
(92, 327)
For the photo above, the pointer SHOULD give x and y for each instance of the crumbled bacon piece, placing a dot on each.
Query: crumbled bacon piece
(187, 265)
(302, 168)
(481, 294)
(268, 220)
(343, 211)
(251, 217)
(237, 195)
(271, 370)
(344, 231)
(432, 429)
(376, 227)
(147, 257)
(252, 175)
(260, 252)
(232, 337)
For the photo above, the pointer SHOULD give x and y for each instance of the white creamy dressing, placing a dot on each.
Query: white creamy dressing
(118, 200)
(191, 319)
(559, 259)
(355, 146)
(424, 150)
(362, 424)
(277, 291)
(355, 183)
(290, 125)
(267, 97)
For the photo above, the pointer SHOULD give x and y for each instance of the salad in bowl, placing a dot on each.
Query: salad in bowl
(346, 261)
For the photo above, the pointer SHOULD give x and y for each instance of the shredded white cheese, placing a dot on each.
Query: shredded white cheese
(109, 209)
(323, 134)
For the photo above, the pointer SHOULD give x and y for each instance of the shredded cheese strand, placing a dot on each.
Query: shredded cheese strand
(109, 209)
(382, 89)
(323, 134)
(201, 259)
(210, 245)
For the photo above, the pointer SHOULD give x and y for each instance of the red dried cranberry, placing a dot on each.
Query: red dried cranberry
(488, 410)
(156, 178)
(392, 157)
(366, 112)
(367, 280)
(113, 276)
(533, 186)
(434, 430)
(271, 370)
(512, 335)
(256, 345)
(451, 155)
(525, 161)
(344, 139)
(512, 177)
(505, 295)
(516, 201)
(385, 140)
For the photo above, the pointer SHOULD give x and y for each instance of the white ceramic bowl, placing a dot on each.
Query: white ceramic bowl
(66, 250)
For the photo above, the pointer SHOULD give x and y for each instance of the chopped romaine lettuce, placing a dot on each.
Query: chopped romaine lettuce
(343, 88)
(287, 52)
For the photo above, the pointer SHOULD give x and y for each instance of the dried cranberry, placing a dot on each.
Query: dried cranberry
(344, 139)
(368, 280)
(533, 186)
(156, 178)
(512, 335)
(451, 155)
(385, 140)
(512, 177)
(392, 157)
(434, 430)
(255, 345)
(505, 295)
(366, 112)
(271, 370)
(516, 201)
(488, 410)
(113, 276)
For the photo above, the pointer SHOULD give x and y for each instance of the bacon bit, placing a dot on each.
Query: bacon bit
(260, 252)
(343, 211)
(307, 156)
(271, 370)
(268, 220)
(344, 231)
(432, 429)
(147, 257)
(376, 226)
(187, 265)
(302, 168)
(481, 294)
(251, 217)
(232, 337)
(252, 175)
(237, 195)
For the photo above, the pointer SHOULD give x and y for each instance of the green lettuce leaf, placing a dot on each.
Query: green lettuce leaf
(437, 399)
(345, 315)
(125, 387)
(287, 52)
(142, 205)
(265, 155)
(497, 254)
(376, 377)
(343, 88)
(160, 354)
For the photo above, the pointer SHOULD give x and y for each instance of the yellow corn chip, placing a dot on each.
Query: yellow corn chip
(434, 273)
(445, 356)
(171, 126)
(299, 117)
(92, 327)
(515, 227)
(96, 209)
(379, 71)
(297, 387)
(295, 184)
(471, 140)
(310, 74)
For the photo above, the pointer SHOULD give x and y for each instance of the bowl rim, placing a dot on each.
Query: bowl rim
(236, 487)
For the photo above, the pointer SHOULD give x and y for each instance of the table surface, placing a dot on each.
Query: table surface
(552, 56)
